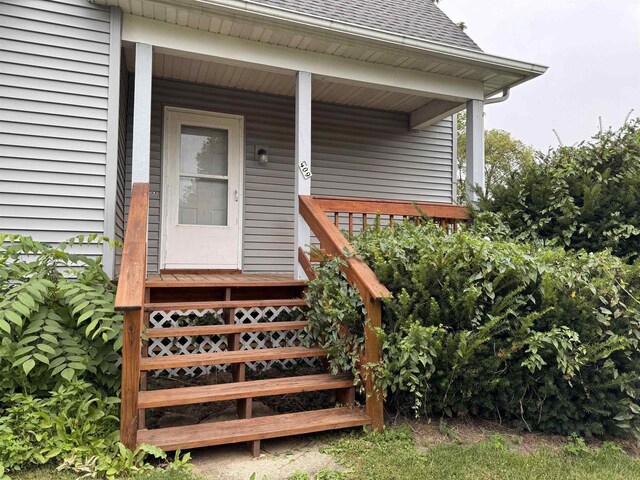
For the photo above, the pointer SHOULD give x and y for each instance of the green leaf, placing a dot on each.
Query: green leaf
(46, 348)
(28, 366)
(68, 374)
(41, 358)
(23, 309)
(85, 315)
(13, 317)
(5, 326)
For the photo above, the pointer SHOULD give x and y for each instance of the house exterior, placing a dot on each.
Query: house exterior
(94, 95)
(218, 134)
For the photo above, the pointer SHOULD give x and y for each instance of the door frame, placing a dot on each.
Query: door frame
(165, 183)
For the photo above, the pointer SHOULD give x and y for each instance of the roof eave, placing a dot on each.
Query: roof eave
(468, 56)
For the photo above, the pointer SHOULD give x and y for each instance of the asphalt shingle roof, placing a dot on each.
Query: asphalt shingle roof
(416, 18)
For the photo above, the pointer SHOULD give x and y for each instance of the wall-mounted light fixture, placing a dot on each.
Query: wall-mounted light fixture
(262, 156)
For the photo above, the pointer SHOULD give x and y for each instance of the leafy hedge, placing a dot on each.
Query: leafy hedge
(57, 322)
(539, 337)
(59, 344)
(585, 196)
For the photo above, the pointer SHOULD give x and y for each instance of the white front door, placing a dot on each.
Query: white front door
(202, 190)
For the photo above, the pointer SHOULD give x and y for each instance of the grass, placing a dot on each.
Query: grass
(50, 473)
(396, 455)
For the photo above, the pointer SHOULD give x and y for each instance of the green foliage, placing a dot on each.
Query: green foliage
(57, 322)
(576, 446)
(585, 196)
(75, 427)
(504, 156)
(59, 343)
(539, 337)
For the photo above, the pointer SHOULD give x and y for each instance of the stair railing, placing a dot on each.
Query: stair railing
(130, 300)
(325, 217)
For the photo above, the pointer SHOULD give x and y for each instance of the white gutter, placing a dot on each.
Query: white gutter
(243, 8)
(506, 93)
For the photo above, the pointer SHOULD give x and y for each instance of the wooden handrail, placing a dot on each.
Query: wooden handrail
(332, 239)
(391, 207)
(133, 270)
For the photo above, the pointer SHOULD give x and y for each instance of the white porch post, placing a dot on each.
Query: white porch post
(141, 149)
(475, 148)
(302, 186)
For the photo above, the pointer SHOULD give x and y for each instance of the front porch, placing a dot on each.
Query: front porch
(310, 142)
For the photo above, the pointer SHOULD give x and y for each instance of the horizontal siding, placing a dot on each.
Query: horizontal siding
(355, 152)
(54, 67)
(120, 212)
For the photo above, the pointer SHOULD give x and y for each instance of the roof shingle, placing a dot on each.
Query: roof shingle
(416, 18)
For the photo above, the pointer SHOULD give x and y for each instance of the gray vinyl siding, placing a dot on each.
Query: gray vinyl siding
(54, 88)
(122, 156)
(356, 152)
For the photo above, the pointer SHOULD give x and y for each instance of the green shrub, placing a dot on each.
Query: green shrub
(57, 322)
(540, 337)
(585, 196)
(76, 426)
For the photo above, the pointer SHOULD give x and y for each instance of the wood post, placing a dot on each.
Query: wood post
(130, 377)
(372, 352)
(142, 422)
(238, 372)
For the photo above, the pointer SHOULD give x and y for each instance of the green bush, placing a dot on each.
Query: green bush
(540, 337)
(76, 426)
(585, 196)
(57, 322)
(59, 344)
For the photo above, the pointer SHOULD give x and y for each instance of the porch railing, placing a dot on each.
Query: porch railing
(325, 217)
(130, 300)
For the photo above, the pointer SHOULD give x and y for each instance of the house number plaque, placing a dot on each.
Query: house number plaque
(305, 169)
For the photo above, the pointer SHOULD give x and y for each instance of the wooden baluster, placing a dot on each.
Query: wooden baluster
(364, 222)
(372, 351)
(391, 220)
(350, 225)
(455, 227)
(336, 219)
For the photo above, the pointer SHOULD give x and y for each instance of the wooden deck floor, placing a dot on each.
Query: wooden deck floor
(222, 280)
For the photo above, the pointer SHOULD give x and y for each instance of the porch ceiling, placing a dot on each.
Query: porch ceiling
(242, 78)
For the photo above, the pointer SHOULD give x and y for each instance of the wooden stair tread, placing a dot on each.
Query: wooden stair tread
(216, 305)
(235, 431)
(221, 358)
(238, 390)
(225, 329)
(222, 280)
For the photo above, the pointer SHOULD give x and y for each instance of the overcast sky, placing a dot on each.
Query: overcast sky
(592, 49)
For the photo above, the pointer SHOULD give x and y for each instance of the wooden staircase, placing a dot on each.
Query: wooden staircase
(226, 293)
(139, 295)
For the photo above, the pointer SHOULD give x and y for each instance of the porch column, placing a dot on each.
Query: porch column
(141, 149)
(302, 185)
(475, 148)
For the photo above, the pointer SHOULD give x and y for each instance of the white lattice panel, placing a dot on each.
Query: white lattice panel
(209, 344)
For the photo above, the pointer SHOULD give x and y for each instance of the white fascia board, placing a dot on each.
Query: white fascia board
(188, 42)
(274, 15)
